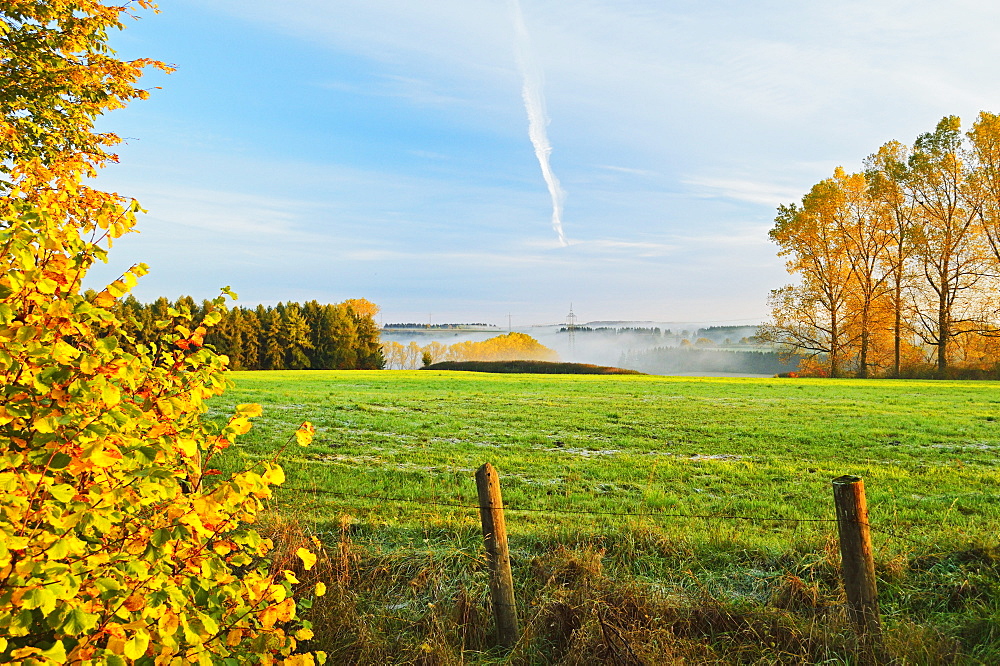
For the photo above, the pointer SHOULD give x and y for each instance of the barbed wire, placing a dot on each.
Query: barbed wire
(622, 514)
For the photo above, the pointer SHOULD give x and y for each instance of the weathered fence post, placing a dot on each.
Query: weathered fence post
(858, 567)
(497, 554)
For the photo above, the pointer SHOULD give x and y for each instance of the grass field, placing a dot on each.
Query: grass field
(763, 451)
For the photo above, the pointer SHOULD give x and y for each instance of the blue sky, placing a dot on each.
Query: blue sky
(379, 148)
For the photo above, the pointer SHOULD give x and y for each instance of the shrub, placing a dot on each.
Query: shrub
(114, 546)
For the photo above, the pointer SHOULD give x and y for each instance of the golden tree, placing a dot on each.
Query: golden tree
(948, 245)
(815, 315)
(885, 171)
(114, 548)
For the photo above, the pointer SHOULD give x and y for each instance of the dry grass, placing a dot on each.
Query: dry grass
(431, 607)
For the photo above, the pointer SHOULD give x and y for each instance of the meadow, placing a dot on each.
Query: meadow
(651, 519)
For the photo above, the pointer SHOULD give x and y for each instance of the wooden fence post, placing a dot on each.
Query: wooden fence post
(858, 566)
(497, 554)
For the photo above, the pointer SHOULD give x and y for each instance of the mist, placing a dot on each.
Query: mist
(665, 348)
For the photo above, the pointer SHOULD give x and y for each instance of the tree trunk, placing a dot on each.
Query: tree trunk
(897, 329)
(834, 348)
(944, 332)
(863, 355)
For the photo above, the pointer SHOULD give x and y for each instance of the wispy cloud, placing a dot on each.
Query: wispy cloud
(631, 171)
(769, 194)
(244, 217)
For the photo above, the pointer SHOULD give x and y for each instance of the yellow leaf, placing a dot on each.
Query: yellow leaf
(240, 426)
(64, 353)
(308, 559)
(286, 610)
(116, 645)
(249, 410)
(168, 624)
(274, 476)
(47, 286)
(304, 634)
(320, 589)
(135, 602)
(290, 577)
(116, 289)
(268, 617)
(104, 300)
(234, 637)
(223, 547)
(24, 652)
(304, 435)
(136, 646)
(208, 623)
(45, 425)
(111, 395)
(188, 447)
(88, 364)
(104, 456)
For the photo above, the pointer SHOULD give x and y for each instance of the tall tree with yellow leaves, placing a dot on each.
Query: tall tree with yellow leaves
(885, 171)
(815, 316)
(867, 231)
(948, 246)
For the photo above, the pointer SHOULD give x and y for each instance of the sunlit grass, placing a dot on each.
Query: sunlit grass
(764, 449)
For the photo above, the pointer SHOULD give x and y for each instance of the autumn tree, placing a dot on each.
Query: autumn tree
(919, 231)
(114, 548)
(984, 138)
(885, 171)
(867, 229)
(946, 246)
(815, 314)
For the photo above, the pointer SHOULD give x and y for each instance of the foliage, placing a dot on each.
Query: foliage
(114, 546)
(508, 347)
(899, 266)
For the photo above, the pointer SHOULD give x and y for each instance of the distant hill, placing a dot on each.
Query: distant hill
(534, 367)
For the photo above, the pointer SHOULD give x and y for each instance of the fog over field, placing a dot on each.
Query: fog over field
(629, 344)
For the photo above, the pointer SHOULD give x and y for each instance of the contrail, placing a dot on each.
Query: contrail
(534, 104)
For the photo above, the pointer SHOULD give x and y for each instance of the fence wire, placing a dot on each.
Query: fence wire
(622, 514)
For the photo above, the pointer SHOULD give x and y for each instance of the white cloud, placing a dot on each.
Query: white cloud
(768, 194)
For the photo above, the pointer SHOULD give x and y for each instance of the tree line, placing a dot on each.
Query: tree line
(438, 326)
(288, 336)
(611, 330)
(898, 264)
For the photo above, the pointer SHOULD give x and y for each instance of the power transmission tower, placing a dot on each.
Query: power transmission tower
(571, 330)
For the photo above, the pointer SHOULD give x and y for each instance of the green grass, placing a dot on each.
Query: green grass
(661, 447)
